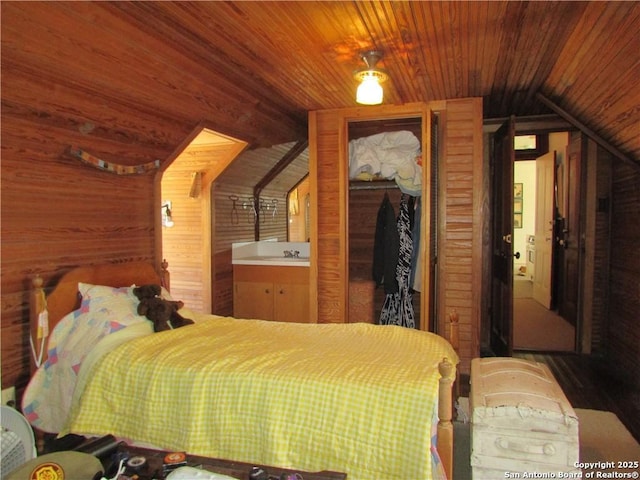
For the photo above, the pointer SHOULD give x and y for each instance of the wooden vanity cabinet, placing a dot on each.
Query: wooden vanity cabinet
(267, 292)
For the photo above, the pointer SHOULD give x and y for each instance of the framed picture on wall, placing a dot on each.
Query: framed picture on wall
(517, 190)
(517, 205)
(517, 220)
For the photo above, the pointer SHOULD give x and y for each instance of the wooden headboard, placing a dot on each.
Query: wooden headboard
(65, 298)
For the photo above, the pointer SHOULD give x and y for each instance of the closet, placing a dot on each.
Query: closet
(397, 145)
(455, 285)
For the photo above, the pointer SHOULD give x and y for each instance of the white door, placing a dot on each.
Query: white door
(545, 181)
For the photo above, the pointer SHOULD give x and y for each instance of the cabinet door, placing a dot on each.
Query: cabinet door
(291, 302)
(253, 300)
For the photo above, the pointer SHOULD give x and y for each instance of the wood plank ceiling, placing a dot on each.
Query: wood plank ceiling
(138, 77)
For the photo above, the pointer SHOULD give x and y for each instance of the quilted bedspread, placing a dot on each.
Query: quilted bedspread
(355, 398)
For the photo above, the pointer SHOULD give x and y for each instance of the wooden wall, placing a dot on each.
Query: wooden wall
(363, 211)
(187, 244)
(461, 212)
(623, 329)
(365, 300)
(57, 214)
(597, 244)
(61, 88)
(460, 225)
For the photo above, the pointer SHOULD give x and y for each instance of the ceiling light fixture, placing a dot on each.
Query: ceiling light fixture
(370, 91)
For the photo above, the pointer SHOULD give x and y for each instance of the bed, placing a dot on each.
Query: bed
(372, 401)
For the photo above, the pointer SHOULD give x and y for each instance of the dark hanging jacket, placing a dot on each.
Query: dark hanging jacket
(386, 246)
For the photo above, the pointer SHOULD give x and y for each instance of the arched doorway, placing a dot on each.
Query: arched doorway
(185, 214)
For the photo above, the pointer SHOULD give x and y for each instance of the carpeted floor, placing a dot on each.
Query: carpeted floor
(603, 438)
(522, 288)
(535, 327)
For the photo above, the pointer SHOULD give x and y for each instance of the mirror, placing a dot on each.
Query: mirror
(298, 212)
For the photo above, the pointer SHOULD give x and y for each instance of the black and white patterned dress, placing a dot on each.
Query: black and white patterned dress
(398, 306)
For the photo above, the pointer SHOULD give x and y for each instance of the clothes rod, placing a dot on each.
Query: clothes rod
(375, 185)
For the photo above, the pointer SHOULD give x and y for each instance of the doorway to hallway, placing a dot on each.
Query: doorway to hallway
(537, 325)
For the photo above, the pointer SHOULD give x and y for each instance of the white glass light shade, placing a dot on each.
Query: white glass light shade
(167, 219)
(369, 91)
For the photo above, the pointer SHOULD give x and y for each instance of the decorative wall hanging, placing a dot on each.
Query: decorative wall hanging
(110, 166)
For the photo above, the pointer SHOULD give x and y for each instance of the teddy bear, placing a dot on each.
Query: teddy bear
(163, 313)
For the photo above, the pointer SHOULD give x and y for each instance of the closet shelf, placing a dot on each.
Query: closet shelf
(373, 185)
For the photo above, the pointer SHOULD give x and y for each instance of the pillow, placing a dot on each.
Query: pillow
(120, 302)
(108, 308)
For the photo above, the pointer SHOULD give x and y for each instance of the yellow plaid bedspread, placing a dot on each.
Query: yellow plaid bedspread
(354, 398)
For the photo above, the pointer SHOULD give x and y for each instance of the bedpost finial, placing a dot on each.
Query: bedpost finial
(37, 281)
(445, 367)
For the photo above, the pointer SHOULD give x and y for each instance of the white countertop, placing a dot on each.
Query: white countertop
(274, 261)
(270, 252)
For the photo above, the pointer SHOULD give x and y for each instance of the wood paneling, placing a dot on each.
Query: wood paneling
(597, 241)
(58, 213)
(461, 213)
(187, 244)
(174, 64)
(602, 236)
(328, 172)
(623, 329)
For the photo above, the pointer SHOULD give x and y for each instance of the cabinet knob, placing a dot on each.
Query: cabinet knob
(266, 290)
(281, 291)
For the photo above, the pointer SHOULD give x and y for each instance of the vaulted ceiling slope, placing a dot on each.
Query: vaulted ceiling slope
(133, 79)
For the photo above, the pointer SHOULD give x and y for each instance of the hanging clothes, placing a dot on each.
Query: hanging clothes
(386, 245)
(398, 306)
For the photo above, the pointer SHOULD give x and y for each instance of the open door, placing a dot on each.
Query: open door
(502, 160)
(568, 234)
(545, 213)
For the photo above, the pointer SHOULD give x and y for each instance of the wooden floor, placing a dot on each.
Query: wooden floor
(584, 379)
(587, 383)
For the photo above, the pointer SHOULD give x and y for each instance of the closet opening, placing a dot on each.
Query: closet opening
(385, 192)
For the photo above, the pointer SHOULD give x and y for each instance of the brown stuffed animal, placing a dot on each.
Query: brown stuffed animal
(163, 313)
